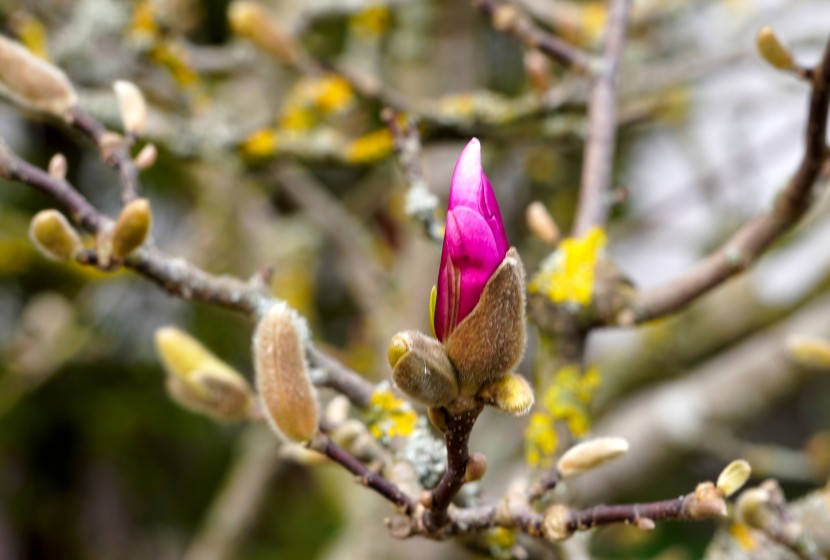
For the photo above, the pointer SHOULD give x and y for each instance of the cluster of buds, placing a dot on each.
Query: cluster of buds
(477, 308)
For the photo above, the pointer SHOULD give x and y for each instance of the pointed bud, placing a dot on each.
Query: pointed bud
(809, 352)
(491, 340)
(146, 157)
(252, 21)
(200, 381)
(58, 167)
(537, 66)
(476, 467)
(773, 50)
(733, 477)
(289, 399)
(54, 236)
(590, 454)
(541, 223)
(31, 81)
(511, 393)
(132, 228)
(132, 106)
(421, 368)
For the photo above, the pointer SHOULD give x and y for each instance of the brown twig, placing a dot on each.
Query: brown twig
(366, 477)
(602, 125)
(747, 244)
(507, 18)
(115, 151)
(342, 379)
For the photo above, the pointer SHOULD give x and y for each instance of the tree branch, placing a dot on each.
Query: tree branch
(598, 160)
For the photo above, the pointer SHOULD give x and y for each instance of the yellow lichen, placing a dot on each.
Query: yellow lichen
(31, 33)
(371, 22)
(567, 277)
(143, 22)
(388, 416)
(260, 144)
(565, 401)
(333, 94)
(743, 536)
(370, 147)
(500, 540)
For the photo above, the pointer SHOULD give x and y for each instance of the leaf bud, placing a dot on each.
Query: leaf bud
(54, 236)
(733, 477)
(200, 381)
(421, 368)
(282, 379)
(32, 82)
(476, 467)
(146, 157)
(590, 454)
(58, 167)
(555, 523)
(511, 393)
(132, 228)
(541, 223)
(773, 50)
(131, 105)
(809, 351)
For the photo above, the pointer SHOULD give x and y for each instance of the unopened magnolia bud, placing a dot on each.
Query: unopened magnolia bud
(476, 467)
(537, 67)
(809, 351)
(284, 386)
(590, 454)
(57, 167)
(555, 523)
(773, 50)
(511, 393)
(54, 236)
(421, 368)
(541, 223)
(132, 106)
(490, 341)
(733, 477)
(132, 228)
(252, 21)
(146, 157)
(199, 380)
(33, 82)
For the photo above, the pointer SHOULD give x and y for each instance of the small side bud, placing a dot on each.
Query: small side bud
(54, 236)
(32, 82)
(773, 50)
(733, 477)
(555, 523)
(705, 502)
(422, 369)
(132, 228)
(288, 397)
(809, 352)
(146, 157)
(437, 417)
(541, 223)
(200, 381)
(511, 393)
(753, 507)
(476, 467)
(58, 167)
(132, 106)
(252, 21)
(590, 454)
(537, 67)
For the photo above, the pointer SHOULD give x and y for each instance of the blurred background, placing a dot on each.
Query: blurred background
(266, 163)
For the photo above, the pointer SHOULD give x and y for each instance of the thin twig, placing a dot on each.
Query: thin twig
(508, 19)
(598, 160)
(747, 244)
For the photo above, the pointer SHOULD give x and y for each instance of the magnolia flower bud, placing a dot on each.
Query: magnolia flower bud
(421, 368)
(54, 236)
(511, 393)
(132, 106)
(58, 167)
(33, 82)
(252, 21)
(200, 381)
(132, 228)
(490, 341)
(733, 477)
(773, 50)
(590, 454)
(289, 399)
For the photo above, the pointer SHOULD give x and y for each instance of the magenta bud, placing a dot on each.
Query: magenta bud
(474, 242)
